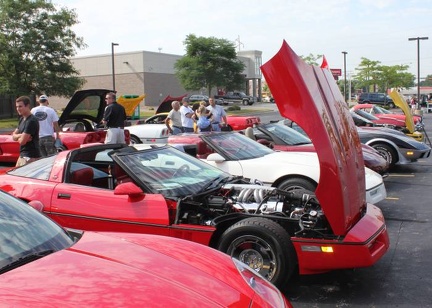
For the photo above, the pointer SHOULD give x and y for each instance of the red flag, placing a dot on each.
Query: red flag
(324, 63)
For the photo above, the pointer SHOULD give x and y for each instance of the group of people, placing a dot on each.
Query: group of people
(38, 129)
(183, 119)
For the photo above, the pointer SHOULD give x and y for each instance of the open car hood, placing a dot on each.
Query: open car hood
(85, 104)
(399, 101)
(165, 106)
(130, 102)
(299, 89)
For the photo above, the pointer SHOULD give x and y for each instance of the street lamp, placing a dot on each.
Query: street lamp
(418, 64)
(345, 80)
(112, 60)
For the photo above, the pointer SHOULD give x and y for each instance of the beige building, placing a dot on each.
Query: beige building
(151, 73)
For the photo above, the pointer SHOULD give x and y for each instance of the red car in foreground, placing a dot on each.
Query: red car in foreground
(78, 122)
(43, 265)
(163, 191)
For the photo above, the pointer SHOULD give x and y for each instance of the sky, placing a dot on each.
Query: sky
(374, 29)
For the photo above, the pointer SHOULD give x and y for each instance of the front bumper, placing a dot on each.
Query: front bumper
(364, 244)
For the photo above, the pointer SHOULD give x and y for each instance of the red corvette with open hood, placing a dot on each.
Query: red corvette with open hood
(359, 236)
(161, 190)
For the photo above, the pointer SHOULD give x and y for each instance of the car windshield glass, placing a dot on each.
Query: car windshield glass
(379, 110)
(288, 135)
(235, 146)
(88, 106)
(39, 169)
(24, 232)
(169, 171)
(366, 115)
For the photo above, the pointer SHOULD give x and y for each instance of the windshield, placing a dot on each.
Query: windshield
(366, 115)
(25, 232)
(169, 171)
(235, 146)
(379, 110)
(39, 169)
(287, 134)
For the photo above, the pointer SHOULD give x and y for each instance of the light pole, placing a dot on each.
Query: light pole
(112, 60)
(418, 65)
(345, 80)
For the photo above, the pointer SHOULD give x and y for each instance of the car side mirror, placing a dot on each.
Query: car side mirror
(216, 157)
(130, 189)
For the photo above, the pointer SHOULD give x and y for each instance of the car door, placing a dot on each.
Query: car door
(90, 208)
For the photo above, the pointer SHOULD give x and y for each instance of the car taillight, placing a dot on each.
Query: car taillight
(92, 138)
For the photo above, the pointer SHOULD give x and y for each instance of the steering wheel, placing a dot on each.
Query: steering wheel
(182, 169)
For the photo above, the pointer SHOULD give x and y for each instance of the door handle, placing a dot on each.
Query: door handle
(63, 196)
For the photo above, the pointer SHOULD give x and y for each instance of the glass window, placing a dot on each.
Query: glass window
(39, 169)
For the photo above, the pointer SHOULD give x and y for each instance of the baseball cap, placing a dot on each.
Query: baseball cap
(43, 98)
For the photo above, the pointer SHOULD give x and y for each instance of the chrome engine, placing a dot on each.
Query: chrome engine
(297, 207)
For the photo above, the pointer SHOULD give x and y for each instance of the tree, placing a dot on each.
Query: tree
(209, 62)
(37, 43)
(371, 76)
(311, 59)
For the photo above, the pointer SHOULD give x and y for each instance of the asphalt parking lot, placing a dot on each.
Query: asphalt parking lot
(403, 277)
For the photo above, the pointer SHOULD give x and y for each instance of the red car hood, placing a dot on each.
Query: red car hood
(165, 106)
(299, 89)
(157, 271)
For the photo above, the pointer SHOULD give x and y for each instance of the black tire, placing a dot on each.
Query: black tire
(134, 140)
(391, 105)
(245, 102)
(297, 183)
(387, 152)
(263, 245)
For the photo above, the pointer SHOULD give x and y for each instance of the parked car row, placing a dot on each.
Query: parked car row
(274, 214)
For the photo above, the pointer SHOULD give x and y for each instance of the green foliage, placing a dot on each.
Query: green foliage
(37, 43)
(209, 62)
(311, 59)
(427, 82)
(373, 77)
(233, 108)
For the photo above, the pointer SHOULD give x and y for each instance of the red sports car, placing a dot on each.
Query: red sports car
(384, 113)
(78, 123)
(43, 265)
(163, 191)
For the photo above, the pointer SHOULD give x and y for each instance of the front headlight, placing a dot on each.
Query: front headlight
(264, 289)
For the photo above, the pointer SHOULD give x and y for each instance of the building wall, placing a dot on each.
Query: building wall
(144, 72)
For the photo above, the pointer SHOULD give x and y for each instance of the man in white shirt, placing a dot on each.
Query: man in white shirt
(187, 116)
(174, 119)
(48, 125)
(218, 115)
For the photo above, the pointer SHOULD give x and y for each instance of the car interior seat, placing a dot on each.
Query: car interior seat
(79, 127)
(203, 150)
(83, 176)
(249, 133)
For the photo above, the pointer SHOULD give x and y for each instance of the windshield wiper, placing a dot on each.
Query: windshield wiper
(26, 259)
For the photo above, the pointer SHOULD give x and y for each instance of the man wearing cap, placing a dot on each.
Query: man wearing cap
(114, 118)
(48, 125)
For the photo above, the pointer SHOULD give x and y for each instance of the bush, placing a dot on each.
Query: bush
(233, 108)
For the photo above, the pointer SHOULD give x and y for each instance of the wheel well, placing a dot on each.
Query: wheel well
(293, 176)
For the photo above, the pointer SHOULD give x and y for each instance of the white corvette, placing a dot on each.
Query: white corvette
(239, 155)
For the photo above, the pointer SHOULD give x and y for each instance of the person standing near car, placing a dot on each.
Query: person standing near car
(48, 125)
(27, 132)
(218, 115)
(114, 118)
(174, 119)
(187, 116)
